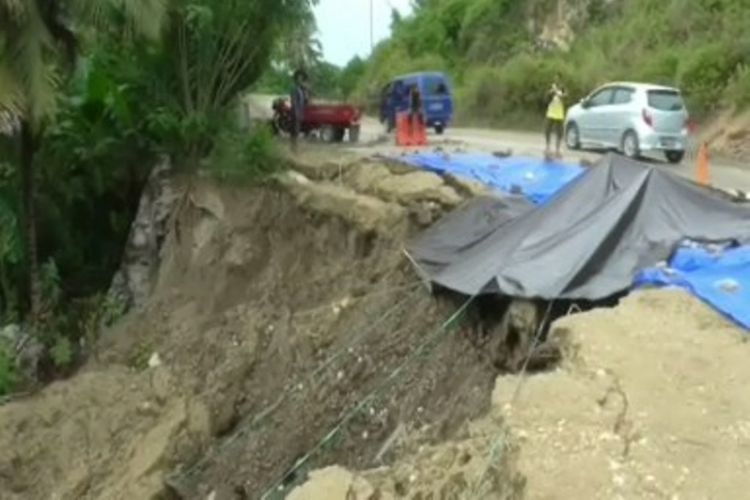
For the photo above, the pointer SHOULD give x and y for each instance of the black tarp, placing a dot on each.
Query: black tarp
(588, 242)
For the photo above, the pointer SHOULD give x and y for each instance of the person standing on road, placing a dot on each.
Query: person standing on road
(415, 105)
(555, 116)
(299, 99)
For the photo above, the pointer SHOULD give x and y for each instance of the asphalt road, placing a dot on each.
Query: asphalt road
(725, 173)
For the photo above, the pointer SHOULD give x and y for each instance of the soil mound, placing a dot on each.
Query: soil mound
(651, 403)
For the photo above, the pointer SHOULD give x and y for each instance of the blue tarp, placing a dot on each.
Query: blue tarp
(535, 179)
(720, 278)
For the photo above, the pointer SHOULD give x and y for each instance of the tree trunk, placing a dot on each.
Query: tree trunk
(28, 187)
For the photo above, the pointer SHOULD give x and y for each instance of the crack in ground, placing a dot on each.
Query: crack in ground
(622, 426)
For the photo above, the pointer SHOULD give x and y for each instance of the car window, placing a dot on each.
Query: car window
(665, 100)
(601, 98)
(623, 95)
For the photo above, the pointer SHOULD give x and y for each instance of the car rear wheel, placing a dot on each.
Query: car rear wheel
(630, 145)
(572, 137)
(674, 156)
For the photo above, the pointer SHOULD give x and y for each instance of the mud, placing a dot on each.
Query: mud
(330, 312)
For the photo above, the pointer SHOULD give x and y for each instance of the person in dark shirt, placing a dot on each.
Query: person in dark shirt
(415, 105)
(299, 99)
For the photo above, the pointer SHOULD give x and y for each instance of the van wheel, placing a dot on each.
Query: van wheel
(630, 145)
(572, 137)
(439, 129)
(675, 156)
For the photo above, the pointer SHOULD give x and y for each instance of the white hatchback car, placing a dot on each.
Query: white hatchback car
(633, 118)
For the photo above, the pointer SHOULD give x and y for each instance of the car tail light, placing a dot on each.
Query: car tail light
(648, 118)
(691, 126)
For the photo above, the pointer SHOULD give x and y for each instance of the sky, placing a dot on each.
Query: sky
(344, 26)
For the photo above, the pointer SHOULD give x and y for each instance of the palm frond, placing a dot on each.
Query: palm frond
(13, 10)
(91, 12)
(143, 17)
(146, 17)
(28, 62)
(11, 98)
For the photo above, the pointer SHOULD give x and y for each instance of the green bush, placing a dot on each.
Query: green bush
(662, 68)
(738, 90)
(703, 76)
(516, 93)
(8, 377)
(241, 155)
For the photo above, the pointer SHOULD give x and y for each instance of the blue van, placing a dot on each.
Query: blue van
(437, 99)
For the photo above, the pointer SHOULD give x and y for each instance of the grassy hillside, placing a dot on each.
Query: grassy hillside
(502, 54)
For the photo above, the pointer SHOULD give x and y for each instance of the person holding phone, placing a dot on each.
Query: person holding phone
(555, 117)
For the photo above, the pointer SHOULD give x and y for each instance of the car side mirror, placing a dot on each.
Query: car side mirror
(585, 103)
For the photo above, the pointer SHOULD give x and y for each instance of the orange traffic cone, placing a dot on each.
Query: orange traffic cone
(419, 136)
(403, 132)
(703, 169)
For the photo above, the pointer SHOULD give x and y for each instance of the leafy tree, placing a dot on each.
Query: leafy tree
(299, 47)
(38, 45)
(499, 60)
(213, 51)
(351, 74)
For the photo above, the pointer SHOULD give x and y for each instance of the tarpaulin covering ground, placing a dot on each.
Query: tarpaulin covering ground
(535, 179)
(721, 278)
(589, 241)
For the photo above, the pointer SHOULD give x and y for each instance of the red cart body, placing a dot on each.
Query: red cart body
(331, 120)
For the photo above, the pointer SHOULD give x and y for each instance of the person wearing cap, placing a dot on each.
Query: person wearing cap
(299, 99)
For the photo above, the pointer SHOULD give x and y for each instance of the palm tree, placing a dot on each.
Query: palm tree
(38, 46)
(300, 48)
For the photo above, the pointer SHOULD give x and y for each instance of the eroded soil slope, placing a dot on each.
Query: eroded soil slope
(275, 311)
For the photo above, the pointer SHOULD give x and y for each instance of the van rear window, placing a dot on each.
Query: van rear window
(435, 86)
(665, 100)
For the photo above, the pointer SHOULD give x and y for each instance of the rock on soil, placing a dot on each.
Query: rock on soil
(133, 282)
